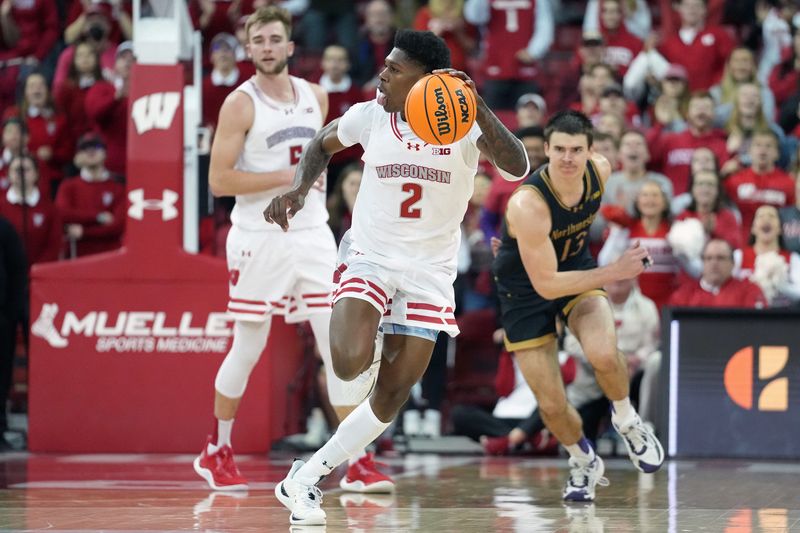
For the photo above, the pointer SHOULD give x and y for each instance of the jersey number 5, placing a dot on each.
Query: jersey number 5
(294, 154)
(406, 208)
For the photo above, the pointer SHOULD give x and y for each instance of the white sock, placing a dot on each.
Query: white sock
(224, 429)
(622, 412)
(356, 456)
(355, 432)
(581, 450)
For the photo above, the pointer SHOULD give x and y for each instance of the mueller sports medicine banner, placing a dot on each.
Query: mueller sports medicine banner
(733, 381)
(125, 345)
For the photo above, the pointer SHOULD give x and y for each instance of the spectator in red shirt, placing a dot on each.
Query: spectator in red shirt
(649, 225)
(589, 53)
(243, 61)
(107, 107)
(9, 31)
(637, 18)
(84, 71)
(118, 24)
(222, 79)
(672, 152)
(703, 49)
(92, 204)
(621, 46)
(494, 207)
(93, 26)
(445, 19)
(746, 119)
(342, 93)
(760, 184)
(15, 140)
(766, 262)
(212, 17)
(341, 202)
(717, 287)
(37, 22)
(48, 134)
(612, 100)
(785, 77)
(531, 111)
(707, 205)
(375, 43)
(740, 69)
(668, 109)
(516, 36)
(32, 213)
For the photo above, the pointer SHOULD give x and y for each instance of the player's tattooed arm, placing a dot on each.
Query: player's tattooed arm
(504, 150)
(500, 145)
(315, 159)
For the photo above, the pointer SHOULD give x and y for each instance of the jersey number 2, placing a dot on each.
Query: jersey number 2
(406, 208)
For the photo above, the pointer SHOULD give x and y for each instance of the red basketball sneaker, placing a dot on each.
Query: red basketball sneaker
(219, 469)
(364, 476)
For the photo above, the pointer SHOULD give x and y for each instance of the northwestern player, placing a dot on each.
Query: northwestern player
(543, 270)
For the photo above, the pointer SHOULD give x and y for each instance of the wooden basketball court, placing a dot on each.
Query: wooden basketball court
(435, 493)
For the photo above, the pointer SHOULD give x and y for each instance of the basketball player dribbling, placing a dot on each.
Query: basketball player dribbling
(399, 270)
(543, 270)
(264, 126)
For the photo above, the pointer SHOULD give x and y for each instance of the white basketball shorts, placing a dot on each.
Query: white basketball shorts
(415, 296)
(282, 273)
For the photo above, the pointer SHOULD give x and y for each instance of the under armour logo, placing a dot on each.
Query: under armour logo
(413, 145)
(288, 111)
(155, 111)
(166, 205)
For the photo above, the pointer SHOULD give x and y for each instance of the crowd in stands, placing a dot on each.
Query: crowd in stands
(696, 104)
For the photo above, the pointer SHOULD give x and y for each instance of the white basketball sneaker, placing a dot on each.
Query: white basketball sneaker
(304, 501)
(583, 477)
(644, 449)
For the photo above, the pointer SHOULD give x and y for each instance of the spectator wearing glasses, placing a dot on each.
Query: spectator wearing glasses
(717, 287)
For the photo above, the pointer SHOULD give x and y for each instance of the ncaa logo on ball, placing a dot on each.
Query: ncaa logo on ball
(463, 106)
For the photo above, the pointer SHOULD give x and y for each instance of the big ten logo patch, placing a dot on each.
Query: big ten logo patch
(739, 378)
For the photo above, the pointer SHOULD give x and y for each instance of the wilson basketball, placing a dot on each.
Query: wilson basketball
(440, 109)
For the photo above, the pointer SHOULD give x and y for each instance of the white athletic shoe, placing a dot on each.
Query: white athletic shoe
(304, 501)
(583, 477)
(644, 449)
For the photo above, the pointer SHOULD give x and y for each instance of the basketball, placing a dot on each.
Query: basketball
(440, 109)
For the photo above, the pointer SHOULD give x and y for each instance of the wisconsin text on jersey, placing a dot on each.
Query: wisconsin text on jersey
(398, 170)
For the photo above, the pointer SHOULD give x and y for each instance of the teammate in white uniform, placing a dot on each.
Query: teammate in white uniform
(264, 126)
(402, 261)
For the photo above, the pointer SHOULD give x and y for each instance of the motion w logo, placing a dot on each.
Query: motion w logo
(155, 111)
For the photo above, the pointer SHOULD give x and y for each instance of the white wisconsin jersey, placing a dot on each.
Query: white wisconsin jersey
(275, 141)
(413, 195)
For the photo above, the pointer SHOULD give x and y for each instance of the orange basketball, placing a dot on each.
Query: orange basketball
(440, 109)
